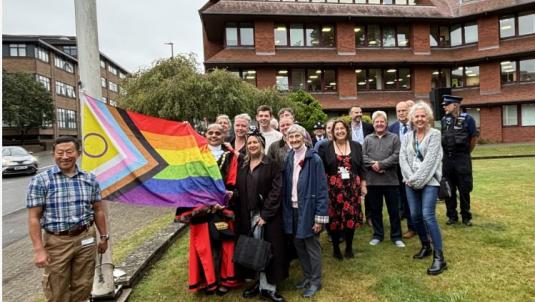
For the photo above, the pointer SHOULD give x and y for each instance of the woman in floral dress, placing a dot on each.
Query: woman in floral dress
(343, 163)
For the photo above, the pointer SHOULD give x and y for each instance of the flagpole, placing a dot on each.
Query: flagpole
(89, 70)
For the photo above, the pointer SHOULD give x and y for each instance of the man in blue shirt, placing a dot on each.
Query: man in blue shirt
(459, 136)
(64, 202)
(359, 128)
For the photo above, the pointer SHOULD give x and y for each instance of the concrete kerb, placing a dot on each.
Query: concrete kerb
(141, 260)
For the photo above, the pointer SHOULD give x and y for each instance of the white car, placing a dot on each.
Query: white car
(16, 160)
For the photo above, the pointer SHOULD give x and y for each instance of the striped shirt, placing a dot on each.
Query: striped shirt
(67, 201)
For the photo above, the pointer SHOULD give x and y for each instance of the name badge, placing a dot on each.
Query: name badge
(344, 173)
(88, 241)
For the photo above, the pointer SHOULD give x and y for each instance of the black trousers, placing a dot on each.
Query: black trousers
(458, 171)
(391, 196)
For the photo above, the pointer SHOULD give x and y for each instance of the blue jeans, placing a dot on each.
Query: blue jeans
(422, 204)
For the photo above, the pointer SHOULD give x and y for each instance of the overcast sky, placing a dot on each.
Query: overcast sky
(131, 32)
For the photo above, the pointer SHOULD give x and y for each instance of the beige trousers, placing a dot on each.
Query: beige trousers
(69, 275)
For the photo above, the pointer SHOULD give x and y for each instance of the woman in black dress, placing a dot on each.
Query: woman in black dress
(342, 159)
(259, 185)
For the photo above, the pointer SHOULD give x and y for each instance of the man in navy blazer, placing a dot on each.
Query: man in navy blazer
(400, 128)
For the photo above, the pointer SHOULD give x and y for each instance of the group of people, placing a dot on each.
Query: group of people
(284, 186)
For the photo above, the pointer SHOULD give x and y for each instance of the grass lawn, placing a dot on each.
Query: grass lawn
(504, 149)
(491, 261)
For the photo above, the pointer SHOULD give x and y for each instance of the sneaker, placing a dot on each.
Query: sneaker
(399, 243)
(467, 223)
(375, 241)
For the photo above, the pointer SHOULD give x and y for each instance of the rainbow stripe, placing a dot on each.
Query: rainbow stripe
(146, 160)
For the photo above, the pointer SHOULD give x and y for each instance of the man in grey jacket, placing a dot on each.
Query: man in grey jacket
(381, 154)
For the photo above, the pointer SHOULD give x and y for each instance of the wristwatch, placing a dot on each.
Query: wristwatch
(105, 237)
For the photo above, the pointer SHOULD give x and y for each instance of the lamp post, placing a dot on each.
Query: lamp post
(172, 50)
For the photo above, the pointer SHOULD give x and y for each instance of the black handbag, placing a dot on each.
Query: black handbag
(444, 190)
(252, 253)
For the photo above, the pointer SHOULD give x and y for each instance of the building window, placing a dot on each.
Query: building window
(510, 115)
(43, 80)
(62, 64)
(467, 76)
(454, 35)
(528, 114)
(17, 50)
(441, 78)
(112, 86)
(102, 82)
(66, 118)
(304, 35)
(514, 71)
(383, 79)
(517, 25)
(42, 54)
(239, 34)
(71, 50)
(65, 90)
(112, 69)
(374, 35)
(102, 64)
(474, 112)
(122, 75)
(312, 80)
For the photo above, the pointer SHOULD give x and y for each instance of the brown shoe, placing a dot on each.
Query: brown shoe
(409, 234)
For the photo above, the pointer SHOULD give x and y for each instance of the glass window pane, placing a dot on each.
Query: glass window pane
(401, 2)
(360, 1)
(232, 34)
(374, 1)
(346, 1)
(403, 36)
(298, 79)
(507, 27)
(312, 35)
(456, 35)
(375, 79)
(474, 112)
(404, 80)
(374, 36)
(526, 24)
(508, 71)
(527, 70)
(282, 80)
(528, 114)
(470, 33)
(472, 75)
(444, 39)
(433, 36)
(389, 36)
(457, 77)
(247, 35)
(296, 35)
(360, 36)
(329, 78)
(388, 1)
(509, 115)
(314, 80)
(281, 36)
(249, 76)
(390, 77)
(361, 78)
(327, 33)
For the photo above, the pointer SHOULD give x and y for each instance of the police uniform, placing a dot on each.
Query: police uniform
(315, 139)
(457, 133)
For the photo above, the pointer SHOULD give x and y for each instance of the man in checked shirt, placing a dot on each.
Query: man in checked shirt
(65, 202)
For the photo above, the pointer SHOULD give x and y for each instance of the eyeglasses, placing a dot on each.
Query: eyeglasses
(213, 133)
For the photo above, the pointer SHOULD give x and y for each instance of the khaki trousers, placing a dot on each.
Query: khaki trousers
(69, 275)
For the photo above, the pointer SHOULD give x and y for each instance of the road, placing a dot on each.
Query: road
(21, 280)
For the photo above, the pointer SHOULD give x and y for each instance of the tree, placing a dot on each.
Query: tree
(26, 103)
(307, 109)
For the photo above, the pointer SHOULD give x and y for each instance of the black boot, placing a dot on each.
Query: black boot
(425, 251)
(348, 234)
(438, 265)
(335, 235)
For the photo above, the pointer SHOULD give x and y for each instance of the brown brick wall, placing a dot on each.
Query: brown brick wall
(489, 78)
(491, 124)
(345, 37)
(15, 64)
(420, 38)
(518, 134)
(264, 37)
(421, 81)
(347, 83)
(43, 68)
(210, 47)
(488, 32)
(265, 77)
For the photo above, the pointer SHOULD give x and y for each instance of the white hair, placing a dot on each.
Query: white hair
(295, 128)
(243, 116)
(379, 113)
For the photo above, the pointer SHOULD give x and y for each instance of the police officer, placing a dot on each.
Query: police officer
(319, 132)
(458, 140)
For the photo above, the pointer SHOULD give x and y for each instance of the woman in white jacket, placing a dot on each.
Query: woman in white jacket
(420, 159)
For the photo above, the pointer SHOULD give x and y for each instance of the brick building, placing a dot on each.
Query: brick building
(375, 53)
(52, 59)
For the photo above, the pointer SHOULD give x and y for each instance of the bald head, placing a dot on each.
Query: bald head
(409, 103)
(402, 110)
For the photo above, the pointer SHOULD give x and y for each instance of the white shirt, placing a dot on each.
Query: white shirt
(271, 137)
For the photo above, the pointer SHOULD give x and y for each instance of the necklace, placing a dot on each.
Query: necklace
(340, 149)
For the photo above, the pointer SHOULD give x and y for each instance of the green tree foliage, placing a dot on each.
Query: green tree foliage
(307, 109)
(174, 89)
(26, 104)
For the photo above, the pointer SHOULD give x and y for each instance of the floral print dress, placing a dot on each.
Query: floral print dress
(345, 211)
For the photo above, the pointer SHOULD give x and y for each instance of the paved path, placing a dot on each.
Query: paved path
(22, 280)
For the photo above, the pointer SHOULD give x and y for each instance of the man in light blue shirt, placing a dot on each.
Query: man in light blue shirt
(359, 128)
